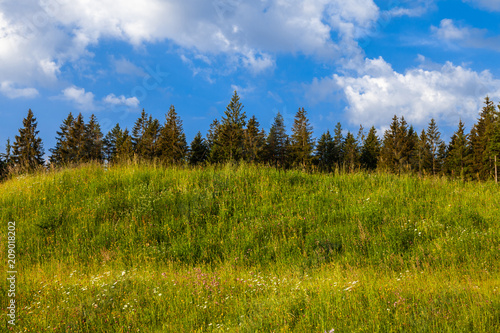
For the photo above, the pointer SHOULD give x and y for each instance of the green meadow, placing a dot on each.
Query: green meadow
(143, 248)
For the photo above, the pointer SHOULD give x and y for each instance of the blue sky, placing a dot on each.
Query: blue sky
(357, 61)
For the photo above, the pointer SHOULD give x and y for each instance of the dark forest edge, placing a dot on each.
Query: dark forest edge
(472, 156)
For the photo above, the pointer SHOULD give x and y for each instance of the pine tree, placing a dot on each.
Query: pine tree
(395, 150)
(434, 140)
(480, 160)
(110, 143)
(124, 147)
(302, 143)
(6, 160)
(424, 154)
(494, 142)
(338, 144)
(371, 150)
(277, 144)
(93, 141)
(77, 141)
(60, 154)
(457, 152)
(351, 152)
(254, 141)
(325, 152)
(199, 150)
(145, 135)
(172, 141)
(214, 145)
(231, 133)
(28, 147)
(413, 144)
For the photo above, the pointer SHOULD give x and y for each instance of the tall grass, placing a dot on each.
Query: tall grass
(245, 248)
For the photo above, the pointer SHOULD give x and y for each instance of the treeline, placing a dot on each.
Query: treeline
(468, 156)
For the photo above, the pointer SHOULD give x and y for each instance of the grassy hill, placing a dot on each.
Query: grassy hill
(139, 248)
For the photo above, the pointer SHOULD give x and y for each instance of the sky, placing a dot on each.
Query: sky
(358, 62)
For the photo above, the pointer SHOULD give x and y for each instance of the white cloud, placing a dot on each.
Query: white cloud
(83, 100)
(449, 93)
(40, 37)
(493, 5)
(449, 31)
(8, 90)
(121, 100)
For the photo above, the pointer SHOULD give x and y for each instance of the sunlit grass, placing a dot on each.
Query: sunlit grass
(248, 249)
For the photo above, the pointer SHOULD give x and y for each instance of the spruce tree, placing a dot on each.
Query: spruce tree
(232, 130)
(60, 153)
(302, 143)
(395, 149)
(28, 148)
(424, 154)
(145, 134)
(93, 141)
(277, 143)
(109, 142)
(199, 150)
(480, 160)
(338, 144)
(254, 141)
(457, 153)
(77, 141)
(351, 152)
(434, 140)
(172, 140)
(124, 147)
(325, 152)
(214, 145)
(494, 143)
(371, 150)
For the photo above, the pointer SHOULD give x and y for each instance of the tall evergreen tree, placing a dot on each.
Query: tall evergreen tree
(277, 145)
(424, 154)
(494, 142)
(124, 146)
(172, 141)
(214, 145)
(457, 152)
(93, 141)
(232, 130)
(338, 143)
(325, 152)
(145, 134)
(60, 154)
(28, 147)
(254, 141)
(480, 160)
(199, 150)
(351, 152)
(395, 150)
(302, 143)
(371, 150)
(434, 140)
(77, 141)
(110, 143)
(6, 160)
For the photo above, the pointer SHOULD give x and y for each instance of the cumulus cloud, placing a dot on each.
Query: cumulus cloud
(83, 100)
(448, 93)
(121, 100)
(449, 31)
(7, 89)
(39, 37)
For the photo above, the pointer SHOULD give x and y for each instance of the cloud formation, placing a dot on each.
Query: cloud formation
(448, 93)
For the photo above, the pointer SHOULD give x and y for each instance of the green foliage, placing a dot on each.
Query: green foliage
(145, 136)
(351, 152)
(456, 160)
(434, 142)
(301, 143)
(199, 150)
(370, 151)
(172, 140)
(277, 144)
(27, 150)
(231, 132)
(325, 152)
(254, 141)
(60, 154)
